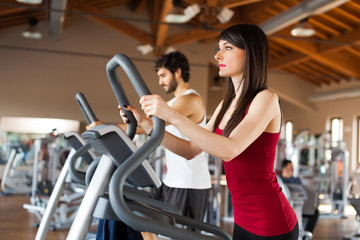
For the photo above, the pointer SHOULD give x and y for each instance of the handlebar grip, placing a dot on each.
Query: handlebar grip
(135, 78)
(85, 108)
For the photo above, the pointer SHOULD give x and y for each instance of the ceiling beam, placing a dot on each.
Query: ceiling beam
(296, 57)
(288, 59)
(191, 36)
(137, 5)
(342, 41)
(190, 2)
(197, 34)
(353, 51)
(114, 24)
(335, 22)
(353, 17)
(324, 71)
(323, 28)
(236, 3)
(295, 70)
(162, 29)
(9, 11)
(312, 72)
(211, 3)
(152, 9)
(311, 50)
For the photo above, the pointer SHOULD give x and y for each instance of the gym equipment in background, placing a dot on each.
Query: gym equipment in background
(353, 195)
(48, 158)
(79, 149)
(16, 177)
(324, 165)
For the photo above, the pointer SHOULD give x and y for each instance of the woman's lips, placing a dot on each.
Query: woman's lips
(222, 65)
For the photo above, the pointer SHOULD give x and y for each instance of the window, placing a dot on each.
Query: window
(289, 131)
(336, 130)
(358, 139)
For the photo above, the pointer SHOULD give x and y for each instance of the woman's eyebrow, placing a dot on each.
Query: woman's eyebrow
(224, 43)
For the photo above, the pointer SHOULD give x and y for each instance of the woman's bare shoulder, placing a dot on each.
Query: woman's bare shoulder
(267, 95)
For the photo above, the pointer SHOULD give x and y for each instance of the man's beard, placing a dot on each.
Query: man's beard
(172, 85)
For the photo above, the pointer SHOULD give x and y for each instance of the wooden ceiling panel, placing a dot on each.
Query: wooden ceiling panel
(312, 73)
(299, 73)
(355, 51)
(328, 57)
(323, 30)
(336, 24)
(351, 18)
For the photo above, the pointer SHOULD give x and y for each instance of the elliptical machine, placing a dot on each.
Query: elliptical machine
(16, 179)
(126, 169)
(79, 149)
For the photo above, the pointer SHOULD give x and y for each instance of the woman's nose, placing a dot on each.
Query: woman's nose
(217, 56)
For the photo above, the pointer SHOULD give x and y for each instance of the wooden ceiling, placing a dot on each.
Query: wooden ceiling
(332, 56)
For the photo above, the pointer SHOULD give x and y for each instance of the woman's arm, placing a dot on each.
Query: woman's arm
(262, 111)
(187, 149)
(177, 145)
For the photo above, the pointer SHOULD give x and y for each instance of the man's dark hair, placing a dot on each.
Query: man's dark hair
(172, 62)
(284, 163)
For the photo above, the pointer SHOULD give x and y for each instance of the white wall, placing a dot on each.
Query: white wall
(39, 78)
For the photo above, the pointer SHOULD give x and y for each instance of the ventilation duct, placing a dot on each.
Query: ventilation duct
(57, 16)
(30, 1)
(295, 14)
(335, 95)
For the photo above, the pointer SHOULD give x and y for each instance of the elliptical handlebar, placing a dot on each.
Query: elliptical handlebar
(123, 61)
(77, 176)
(85, 108)
(136, 80)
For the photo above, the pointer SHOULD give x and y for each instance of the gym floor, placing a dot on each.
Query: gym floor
(18, 224)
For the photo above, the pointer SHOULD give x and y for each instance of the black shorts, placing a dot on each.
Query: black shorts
(189, 202)
(242, 234)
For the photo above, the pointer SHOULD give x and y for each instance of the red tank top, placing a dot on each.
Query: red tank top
(259, 204)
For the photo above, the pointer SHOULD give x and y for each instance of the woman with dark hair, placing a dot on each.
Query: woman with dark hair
(243, 132)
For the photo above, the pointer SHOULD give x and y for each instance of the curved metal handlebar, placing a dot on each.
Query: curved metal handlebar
(76, 176)
(136, 80)
(141, 88)
(85, 108)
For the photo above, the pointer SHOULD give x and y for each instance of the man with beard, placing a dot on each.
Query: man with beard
(187, 182)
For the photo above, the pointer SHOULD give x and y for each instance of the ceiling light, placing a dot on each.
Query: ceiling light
(176, 13)
(303, 29)
(31, 31)
(192, 10)
(170, 49)
(30, 1)
(225, 15)
(145, 49)
(37, 125)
